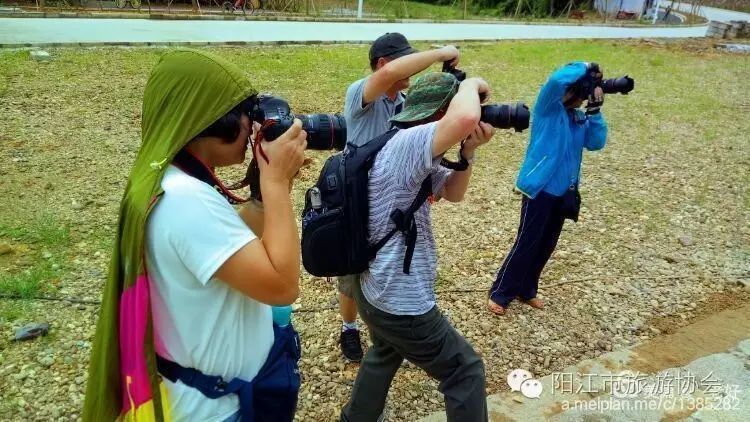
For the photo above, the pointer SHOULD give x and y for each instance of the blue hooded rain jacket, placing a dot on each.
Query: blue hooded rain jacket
(558, 136)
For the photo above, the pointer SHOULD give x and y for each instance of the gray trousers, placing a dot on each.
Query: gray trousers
(429, 342)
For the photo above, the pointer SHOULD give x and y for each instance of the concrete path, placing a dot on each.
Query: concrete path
(701, 372)
(20, 31)
(65, 30)
(714, 14)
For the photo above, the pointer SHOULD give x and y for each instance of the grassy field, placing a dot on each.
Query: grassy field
(677, 163)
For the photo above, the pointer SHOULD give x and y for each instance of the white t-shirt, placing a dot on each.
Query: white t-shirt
(201, 322)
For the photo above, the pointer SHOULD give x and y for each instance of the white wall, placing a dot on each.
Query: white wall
(614, 6)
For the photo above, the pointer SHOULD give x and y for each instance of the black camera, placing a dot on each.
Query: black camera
(458, 73)
(506, 116)
(501, 116)
(324, 131)
(621, 85)
(584, 87)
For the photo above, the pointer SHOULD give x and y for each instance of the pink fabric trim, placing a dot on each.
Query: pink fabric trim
(134, 312)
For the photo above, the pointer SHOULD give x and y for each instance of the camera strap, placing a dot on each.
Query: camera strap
(194, 167)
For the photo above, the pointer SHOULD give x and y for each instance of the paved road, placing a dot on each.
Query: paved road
(715, 14)
(67, 30)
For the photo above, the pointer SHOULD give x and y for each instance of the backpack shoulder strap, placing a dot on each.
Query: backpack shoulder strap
(404, 221)
(370, 148)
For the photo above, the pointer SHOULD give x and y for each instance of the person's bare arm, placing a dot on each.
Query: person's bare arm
(267, 269)
(457, 183)
(252, 214)
(461, 117)
(404, 67)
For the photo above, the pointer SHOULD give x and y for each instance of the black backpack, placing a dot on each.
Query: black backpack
(335, 217)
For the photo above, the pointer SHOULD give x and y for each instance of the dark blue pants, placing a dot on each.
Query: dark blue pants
(538, 231)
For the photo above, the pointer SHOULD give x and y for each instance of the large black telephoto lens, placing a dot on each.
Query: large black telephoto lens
(324, 131)
(618, 85)
(506, 116)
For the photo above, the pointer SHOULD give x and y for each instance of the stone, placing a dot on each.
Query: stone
(31, 331)
(685, 240)
(744, 347)
(46, 361)
(40, 56)
(5, 249)
(616, 291)
(725, 367)
(672, 258)
(735, 48)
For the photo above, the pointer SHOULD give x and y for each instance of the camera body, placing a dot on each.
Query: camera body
(459, 74)
(324, 131)
(584, 87)
(501, 116)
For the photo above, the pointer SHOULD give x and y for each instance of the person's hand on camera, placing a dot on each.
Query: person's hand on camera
(285, 155)
(450, 53)
(482, 87)
(482, 134)
(595, 71)
(595, 101)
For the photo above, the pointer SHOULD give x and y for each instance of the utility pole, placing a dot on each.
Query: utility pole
(359, 9)
(656, 11)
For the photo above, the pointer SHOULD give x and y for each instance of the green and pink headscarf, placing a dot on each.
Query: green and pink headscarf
(186, 92)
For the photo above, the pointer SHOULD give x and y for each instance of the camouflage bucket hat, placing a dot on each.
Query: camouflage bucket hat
(427, 95)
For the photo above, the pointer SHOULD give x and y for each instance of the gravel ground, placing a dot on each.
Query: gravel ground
(663, 239)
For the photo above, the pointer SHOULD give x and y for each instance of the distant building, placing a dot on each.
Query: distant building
(626, 8)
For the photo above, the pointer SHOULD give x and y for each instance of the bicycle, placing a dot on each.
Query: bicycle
(135, 4)
(65, 4)
(246, 6)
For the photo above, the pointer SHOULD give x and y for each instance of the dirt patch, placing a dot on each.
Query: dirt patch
(716, 302)
(499, 417)
(713, 334)
(678, 416)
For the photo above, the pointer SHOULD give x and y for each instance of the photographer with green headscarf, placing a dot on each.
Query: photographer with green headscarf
(186, 329)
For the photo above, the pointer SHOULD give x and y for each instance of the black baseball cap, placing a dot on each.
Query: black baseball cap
(390, 45)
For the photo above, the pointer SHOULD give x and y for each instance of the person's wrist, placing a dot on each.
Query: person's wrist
(255, 203)
(470, 84)
(467, 152)
(446, 53)
(275, 182)
(442, 54)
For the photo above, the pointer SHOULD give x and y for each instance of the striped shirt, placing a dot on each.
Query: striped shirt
(397, 173)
